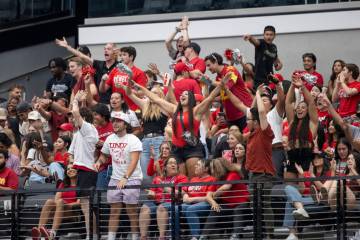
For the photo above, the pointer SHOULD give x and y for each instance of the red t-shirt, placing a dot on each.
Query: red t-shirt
(68, 197)
(312, 79)
(62, 158)
(117, 78)
(55, 121)
(104, 132)
(348, 104)
(201, 191)
(185, 84)
(166, 197)
(151, 170)
(238, 193)
(177, 138)
(260, 161)
(197, 64)
(237, 87)
(8, 178)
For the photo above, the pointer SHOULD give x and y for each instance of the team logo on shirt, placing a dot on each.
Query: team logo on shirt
(120, 146)
(342, 94)
(2, 181)
(120, 80)
(194, 189)
(311, 79)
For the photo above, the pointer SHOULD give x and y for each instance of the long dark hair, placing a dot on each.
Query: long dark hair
(333, 74)
(191, 105)
(357, 162)
(67, 180)
(326, 167)
(124, 106)
(339, 133)
(346, 143)
(302, 133)
(30, 138)
(244, 73)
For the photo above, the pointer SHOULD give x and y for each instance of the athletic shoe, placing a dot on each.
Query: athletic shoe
(35, 233)
(324, 199)
(46, 233)
(292, 237)
(314, 194)
(300, 214)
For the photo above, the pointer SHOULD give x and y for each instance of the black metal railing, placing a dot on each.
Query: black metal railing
(27, 204)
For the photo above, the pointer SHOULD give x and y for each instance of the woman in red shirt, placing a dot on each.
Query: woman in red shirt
(194, 200)
(61, 206)
(187, 148)
(160, 199)
(229, 199)
(156, 167)
(303, 126)
(61, 154)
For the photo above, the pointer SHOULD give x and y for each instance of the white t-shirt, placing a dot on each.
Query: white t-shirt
(134, 121)
(119, 149)
(83, 146)
(275, 121)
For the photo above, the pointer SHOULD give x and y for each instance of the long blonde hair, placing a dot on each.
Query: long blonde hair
(151, 110)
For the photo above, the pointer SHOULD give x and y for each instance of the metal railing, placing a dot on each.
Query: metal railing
(339, 219)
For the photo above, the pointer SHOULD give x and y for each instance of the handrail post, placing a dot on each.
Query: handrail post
(97, 215)
(257, 223)
(173, 229)
(14, 216)
(344, 209)
(338, 210)
(91, 215)
(178, 215)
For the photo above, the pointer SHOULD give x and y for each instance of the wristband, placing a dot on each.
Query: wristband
(126, 177)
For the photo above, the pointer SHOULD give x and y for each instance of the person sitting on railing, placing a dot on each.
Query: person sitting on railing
(62, 206)
(229, 199)
(299, 196)
(352, 168)
(156, 167)
(194, 204)
(161, 199)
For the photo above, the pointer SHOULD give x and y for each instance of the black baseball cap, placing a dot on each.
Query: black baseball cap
(194, 46)
(23, 107)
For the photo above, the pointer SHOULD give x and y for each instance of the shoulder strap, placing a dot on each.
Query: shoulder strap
(182, 121)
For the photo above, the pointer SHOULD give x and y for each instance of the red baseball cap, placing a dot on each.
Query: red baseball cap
(66, 127)
(180, 68)
(198, 97)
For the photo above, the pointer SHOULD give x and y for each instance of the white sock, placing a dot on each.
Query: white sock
(111, 235)
(134, 236)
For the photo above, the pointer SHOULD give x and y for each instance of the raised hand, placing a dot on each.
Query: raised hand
(296, 81)
(62, 43)
(299, 169)
(324, 100)
(247, 37)
(154, 68)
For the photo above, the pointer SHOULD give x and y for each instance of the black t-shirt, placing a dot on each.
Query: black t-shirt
(101, 69)
(265, 56)
(63, 85)
(155, 125)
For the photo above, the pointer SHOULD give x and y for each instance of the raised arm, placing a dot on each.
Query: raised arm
(169, 108)
(63, 43)
(204, 106)
(345, 87)
(140, 102)
(280, 104)
(76, 111)
(335, 95)
(314, 120)
(184, 30)
(236, 101)
(261, 109)
(289, 101)
(168, 41)
(254, 41)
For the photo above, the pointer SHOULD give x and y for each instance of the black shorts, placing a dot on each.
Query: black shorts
(302, 157)
(85, 180)
(241, 123)
(184, 153)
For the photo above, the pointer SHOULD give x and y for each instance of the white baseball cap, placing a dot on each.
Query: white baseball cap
(121, 116)
(34, 115)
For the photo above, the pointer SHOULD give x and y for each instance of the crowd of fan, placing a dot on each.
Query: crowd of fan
(108, 123)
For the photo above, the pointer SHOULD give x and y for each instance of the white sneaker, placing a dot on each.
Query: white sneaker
(292, 237)
(300, 214)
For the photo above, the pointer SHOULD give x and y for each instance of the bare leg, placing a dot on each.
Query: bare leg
(332, 195)
(46, 211)
(162, 220)
(350, 199)
(145, 220)
(131, 210)
(190, 166)
(61, 207)
(84, 203)
(114, 216)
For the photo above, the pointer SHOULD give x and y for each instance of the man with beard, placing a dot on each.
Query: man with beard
(8, 178)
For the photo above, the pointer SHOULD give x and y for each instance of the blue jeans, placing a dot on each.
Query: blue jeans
(145, 155)
(293, 195)
(57, 168)
(193, 212)
(103, 177)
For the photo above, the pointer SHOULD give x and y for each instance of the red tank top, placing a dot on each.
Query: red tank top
(309, 138)
(177, 138)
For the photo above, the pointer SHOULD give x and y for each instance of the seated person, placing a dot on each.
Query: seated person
(228, 199)
(156, 167)
(62, 206)
(299, 196)
(161, 197)
(195, 204)
(8, 178)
